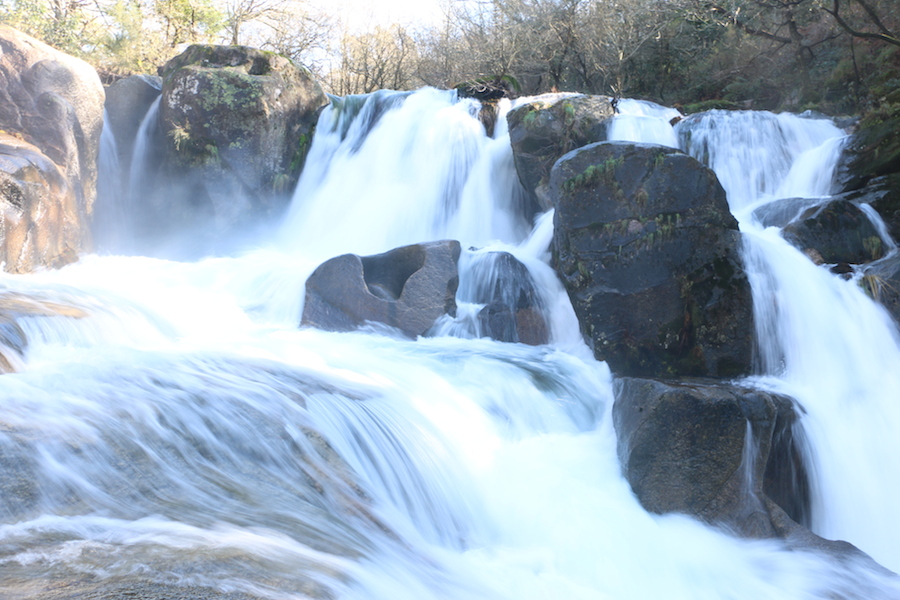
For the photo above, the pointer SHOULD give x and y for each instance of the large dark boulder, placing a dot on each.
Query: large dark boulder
(650, 257)
(711, 450)
(407, 288)
(726, 455)
(51, 116)
(513, 310)
(836, 232)
(236, 124)
(549, 126)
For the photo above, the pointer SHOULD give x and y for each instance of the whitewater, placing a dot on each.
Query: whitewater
(170, 425)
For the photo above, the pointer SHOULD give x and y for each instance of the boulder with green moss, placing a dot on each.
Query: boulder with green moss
(650, 257)
(870, 164)
(237, 124)
(836, 232)
(547, 127)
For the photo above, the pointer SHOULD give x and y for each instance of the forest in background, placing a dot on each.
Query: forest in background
(834, 56)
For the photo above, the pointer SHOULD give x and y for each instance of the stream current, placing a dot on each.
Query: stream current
(171, 428)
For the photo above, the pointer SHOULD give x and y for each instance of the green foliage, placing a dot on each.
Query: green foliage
(705, 105)
(188, 21)
(69, 29)
(593, 174)
(180, 137)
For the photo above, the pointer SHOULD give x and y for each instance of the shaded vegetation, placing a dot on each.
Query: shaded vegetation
(835, 56)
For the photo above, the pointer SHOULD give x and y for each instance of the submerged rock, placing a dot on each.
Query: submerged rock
(836, 232)
(407, 288)
(13, 339)
(549, 126)
(650, 257)
(51, 116)
(513, 309)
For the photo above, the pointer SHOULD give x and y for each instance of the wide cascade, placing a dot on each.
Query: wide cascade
(170, 429)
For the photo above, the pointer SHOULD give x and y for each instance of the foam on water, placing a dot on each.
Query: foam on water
(183, 431)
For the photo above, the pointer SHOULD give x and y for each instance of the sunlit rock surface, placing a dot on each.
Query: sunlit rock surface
(408, 288)
(51, 116)
(546, 127)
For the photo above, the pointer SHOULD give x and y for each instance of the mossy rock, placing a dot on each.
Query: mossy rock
(650, 257)
(705, 105)
(236, 127)
(549, 126)
(873, 151)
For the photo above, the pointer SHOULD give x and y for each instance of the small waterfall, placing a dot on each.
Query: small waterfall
(753, 152)
(109, 218)
(406, 168)
(646, 122)
(820, 337)
(145, 160)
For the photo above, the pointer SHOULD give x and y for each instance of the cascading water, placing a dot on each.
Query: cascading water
(821, 339)
(643, 121)
(172, 429)
(109, 220)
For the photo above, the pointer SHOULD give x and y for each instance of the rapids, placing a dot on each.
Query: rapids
(170, 427)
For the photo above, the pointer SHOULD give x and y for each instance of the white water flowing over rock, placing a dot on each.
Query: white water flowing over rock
(642, 121)
(821, 339)
(174, 432)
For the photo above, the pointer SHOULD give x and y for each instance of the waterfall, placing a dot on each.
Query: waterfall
(109, 219)
(171, 428)
(643, 121)
(145, 159)
(821, 339)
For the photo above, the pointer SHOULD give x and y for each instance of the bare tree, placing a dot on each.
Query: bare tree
(871, 16)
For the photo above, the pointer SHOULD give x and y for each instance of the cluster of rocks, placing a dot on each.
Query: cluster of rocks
(643, 242)
(225, 151)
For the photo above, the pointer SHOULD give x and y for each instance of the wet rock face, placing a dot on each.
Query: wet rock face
(713, 451)
(836, 232)
(881, 281)
(650, 257)
(236, 124)
(870, 165)
(729, 456)
(872, 151)
(513, 309)
(127, 102)
(51, 116)
(408, 288)
(544, 129)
